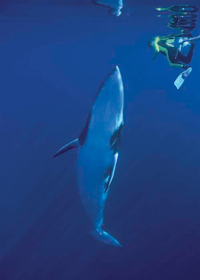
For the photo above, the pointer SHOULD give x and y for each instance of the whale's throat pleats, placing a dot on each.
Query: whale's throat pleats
(107, 178)
(115, 139)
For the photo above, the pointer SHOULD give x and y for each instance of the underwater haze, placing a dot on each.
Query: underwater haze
(53, 57)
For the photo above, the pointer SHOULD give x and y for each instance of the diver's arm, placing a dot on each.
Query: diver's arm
(195, 38)
(155, 55)
(191, 39)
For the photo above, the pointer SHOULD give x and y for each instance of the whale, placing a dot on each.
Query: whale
(98, 150)
(115, 6)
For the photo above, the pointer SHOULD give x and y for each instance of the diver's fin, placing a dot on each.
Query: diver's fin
(105, 237)
(181, 78)
(179, 81)
(72, 145)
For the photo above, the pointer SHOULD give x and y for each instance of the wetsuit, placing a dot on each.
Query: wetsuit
(177, 49)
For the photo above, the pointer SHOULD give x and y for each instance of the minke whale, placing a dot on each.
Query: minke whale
(98, 148)
(114, 6)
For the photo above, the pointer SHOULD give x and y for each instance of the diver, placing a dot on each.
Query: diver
(178, 49)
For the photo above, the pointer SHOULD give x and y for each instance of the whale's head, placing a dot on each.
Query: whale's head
(106, 115)
(107, 111)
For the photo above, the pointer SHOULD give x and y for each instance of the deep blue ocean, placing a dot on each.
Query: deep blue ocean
(54, 54)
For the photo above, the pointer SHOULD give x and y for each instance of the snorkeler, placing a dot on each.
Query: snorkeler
(178, 50)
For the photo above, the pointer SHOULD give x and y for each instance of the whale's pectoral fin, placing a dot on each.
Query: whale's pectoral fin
(72, 145)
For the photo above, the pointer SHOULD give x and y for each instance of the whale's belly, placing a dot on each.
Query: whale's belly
(93, 162)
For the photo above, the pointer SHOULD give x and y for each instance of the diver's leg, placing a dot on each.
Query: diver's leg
(190, 54)
(173, 54)
(185, 59)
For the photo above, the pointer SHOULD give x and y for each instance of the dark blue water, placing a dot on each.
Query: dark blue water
(53, 57)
